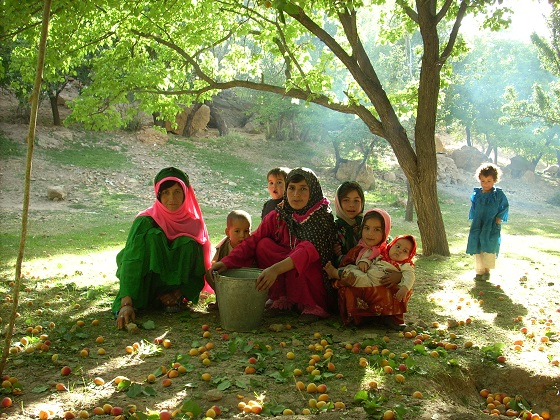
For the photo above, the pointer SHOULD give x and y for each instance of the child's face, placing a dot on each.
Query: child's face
(487, 182)
(401, 249)
(298, 194)
(238, 231)
(276, 186)
(351, 203)
(372, 232)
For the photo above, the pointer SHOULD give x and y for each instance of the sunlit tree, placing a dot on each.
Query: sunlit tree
(169, 53)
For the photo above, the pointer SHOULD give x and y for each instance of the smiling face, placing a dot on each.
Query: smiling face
(238, 231)
(298, 194)
(351, 204)
(401, 249)
(487, 182)
(276, 186)
(372, 232)
(172, 197)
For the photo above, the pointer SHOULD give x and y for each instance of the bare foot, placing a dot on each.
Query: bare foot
(331, 271)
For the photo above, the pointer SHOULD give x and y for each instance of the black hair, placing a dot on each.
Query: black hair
(165, 185)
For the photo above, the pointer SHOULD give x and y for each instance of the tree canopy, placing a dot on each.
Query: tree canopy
(160, 54)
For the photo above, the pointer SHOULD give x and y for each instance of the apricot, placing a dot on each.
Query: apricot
(311, 388)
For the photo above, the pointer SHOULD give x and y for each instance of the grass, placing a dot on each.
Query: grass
(69, 276)
(10, 148)
(92, 150)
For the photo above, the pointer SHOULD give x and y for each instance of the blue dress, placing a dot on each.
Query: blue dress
(484, 235)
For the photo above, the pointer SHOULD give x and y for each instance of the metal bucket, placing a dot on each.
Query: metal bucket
(240, 304)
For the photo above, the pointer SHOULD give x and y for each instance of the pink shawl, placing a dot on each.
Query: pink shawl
(185, 221)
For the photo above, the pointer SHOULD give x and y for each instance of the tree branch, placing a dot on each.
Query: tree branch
(454, 32)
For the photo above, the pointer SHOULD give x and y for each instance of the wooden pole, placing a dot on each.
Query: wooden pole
(27, 181)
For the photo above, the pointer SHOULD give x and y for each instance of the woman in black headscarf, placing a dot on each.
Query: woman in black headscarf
(291, 245)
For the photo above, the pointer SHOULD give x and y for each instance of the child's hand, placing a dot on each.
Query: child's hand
(363, 266)
(392, 278)
(401, 294)
(348, 279)
(498, 221)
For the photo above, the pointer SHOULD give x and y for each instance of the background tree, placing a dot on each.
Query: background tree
(474, 101)
(541, 112)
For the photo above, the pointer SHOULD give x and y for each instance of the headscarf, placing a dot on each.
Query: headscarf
(385, 252)
(375, 249)
(340, 213)
(186, 220)
(314, 222)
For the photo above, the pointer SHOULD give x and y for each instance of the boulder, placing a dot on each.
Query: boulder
(468, 158)
(518, 166)
(200, 120)
(149, 135)
(447, 172)
(347, 170)
(552, 170)
(56, 193)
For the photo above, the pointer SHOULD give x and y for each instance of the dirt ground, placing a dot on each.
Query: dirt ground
(529, 374)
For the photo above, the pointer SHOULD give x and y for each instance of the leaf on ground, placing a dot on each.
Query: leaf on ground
(39, 389)
(149, 325)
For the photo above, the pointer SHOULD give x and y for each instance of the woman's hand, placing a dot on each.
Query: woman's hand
(269, 275)
(218, 266)
(125, 316)
(391, 279)
(267, 278)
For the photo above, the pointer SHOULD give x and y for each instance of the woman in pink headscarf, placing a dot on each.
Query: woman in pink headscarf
(167, 251)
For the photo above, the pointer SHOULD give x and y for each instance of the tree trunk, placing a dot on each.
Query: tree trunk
(496, 155)
(221, 125)
(53, 99)
(468, 134)
(409, 213)
(423, 177)
(188, 131)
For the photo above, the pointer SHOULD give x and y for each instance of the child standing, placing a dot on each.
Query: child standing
(276, 184)
(238, 228)
(489, 208)
(349, 204)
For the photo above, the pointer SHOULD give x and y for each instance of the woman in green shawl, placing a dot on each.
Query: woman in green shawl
(167, 251)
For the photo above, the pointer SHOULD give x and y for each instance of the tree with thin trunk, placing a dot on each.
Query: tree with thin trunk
(27, 181)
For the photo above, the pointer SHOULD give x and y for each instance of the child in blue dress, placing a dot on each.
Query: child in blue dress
(489, 208)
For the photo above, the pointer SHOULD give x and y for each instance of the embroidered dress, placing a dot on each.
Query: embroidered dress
(367, 297)
(484, 234)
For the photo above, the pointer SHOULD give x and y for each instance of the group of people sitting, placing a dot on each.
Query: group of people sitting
(310, 262)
